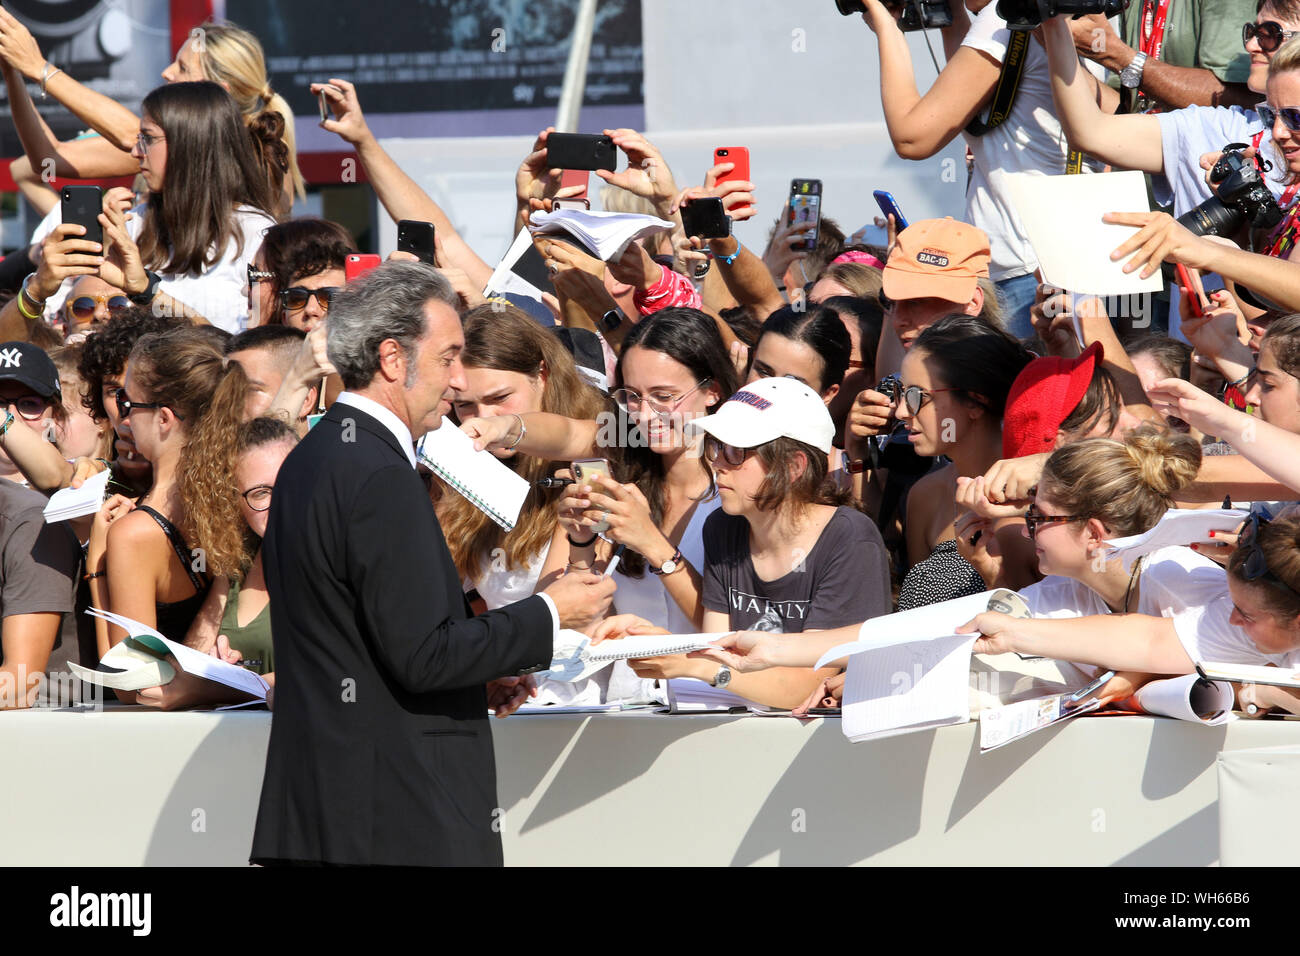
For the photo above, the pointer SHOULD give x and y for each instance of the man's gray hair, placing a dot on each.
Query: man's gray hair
(386, 303)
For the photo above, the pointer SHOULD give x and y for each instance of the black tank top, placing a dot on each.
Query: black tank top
(174, 619)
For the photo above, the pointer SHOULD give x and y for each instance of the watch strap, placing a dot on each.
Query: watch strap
(150, 291)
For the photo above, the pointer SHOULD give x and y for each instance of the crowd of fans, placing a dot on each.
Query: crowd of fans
(797, 440)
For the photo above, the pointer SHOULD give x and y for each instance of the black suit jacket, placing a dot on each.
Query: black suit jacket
(380, 749)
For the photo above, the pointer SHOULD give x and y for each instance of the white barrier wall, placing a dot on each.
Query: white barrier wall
(795, 82)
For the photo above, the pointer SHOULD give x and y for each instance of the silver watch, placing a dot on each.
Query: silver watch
(1131, 76)
(722, 678)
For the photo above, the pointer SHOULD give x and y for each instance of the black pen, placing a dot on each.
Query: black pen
(553, 482)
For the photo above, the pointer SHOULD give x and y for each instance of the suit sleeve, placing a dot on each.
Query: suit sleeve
(405, 581)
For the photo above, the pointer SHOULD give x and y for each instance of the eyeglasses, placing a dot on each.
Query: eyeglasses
(1034, 518)
(296, 298)
(914, 397)
(733, 456)
(1290, 116)
(125, 406)
(30, 407)
(1256, 563)
(257, 275)
(1269, 34)
(258, 497)
(144, 142)
(83, 306)
(631, 400)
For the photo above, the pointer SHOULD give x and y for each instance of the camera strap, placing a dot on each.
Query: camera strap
(1004, 95)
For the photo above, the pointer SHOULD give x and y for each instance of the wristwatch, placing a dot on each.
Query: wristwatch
(852, 466)
(669, 566)
(722, 678)
(150, 291)
(1131, 76)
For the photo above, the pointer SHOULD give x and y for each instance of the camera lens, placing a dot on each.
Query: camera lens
(849, 7)
(1213, 218)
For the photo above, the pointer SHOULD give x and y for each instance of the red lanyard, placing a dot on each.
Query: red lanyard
(1152, 34)
(1282, 239)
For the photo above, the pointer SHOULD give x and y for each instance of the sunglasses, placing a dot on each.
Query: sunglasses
(1269, 34)
(1256, 564)
(1034, 518)
(125, 406)
(83, 306)
(733, 456)
(914, 397)
(295, 298)
(30, 407)
(1290, 116)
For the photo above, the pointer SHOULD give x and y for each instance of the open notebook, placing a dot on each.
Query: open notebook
(478, 475)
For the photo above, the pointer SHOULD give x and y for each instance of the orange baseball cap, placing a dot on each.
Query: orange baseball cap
(939, 258)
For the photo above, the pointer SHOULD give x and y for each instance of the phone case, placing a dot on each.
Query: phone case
(416, 237)
(358, 264)
(580, 151)
(706, 218)
(733, 154)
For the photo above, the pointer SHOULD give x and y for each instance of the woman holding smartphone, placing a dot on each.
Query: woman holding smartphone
(673, 368)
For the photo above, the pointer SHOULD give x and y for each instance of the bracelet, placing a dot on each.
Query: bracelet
(1239, 382)
(577, 544)
(93, 574)
(9, 420)
(728, 260)
(48, 74)
(108, 465)
(38, 306)
(523, 430)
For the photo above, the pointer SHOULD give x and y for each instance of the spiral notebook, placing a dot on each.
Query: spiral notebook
(649, 645)
(479, 476)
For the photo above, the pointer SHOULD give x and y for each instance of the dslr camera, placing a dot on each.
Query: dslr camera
(1242, 198)
(892, 449)
(917, 14)
(1028, 14)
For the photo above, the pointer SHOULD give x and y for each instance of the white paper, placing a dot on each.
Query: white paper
(1001, 725)
(1251, 673)
(918, 624)
(1189, 697)
(479, 476)
(192, 661)
(904, 687)
(688, 695)
(650, 645)
(604, 234)
(503, 277)
(69, 503)
(569, 708)
(1179, 526)
(1062, 220)
(133, 669)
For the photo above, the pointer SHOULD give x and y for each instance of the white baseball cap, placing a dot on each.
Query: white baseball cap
(768, 409)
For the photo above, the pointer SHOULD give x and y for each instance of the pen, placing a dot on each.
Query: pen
(613, 562)
(553, 482)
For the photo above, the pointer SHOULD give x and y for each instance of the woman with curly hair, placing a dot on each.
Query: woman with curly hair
(182, 405)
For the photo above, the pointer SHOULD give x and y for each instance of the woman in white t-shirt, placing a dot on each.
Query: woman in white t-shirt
(186, 251)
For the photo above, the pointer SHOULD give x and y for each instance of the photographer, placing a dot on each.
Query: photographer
(1029, 140)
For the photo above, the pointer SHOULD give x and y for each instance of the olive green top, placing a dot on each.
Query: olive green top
(252, 640)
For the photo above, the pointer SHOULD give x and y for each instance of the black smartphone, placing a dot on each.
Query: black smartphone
(580, 151)
(806, 206)
(705, 218)
(416, 237)
(82, 205)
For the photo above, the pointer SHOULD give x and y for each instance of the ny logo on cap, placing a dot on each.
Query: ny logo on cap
(11, 358)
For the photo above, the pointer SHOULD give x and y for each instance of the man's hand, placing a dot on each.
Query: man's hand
(505, 695)
(581, 597)
(1095, 39)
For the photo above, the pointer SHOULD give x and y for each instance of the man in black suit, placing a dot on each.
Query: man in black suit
(380, 749)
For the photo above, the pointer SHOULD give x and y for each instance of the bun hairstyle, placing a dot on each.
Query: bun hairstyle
(1128, 485)
(233, 58)
(1279, 539)
(185, 371)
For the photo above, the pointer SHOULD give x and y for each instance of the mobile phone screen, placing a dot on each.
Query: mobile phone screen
(806, 207)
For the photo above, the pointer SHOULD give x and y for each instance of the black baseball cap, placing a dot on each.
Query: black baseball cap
(27, 363)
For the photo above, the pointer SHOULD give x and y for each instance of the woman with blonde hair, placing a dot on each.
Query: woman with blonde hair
(221, 52)
(183, 405)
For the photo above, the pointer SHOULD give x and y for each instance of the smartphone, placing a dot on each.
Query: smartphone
(324, 106)
(358, 264)
(581, 203)
(1193, 300)
(806, 206)
(416, 237)
(582, 472)
(889, 207)
(576, 177)
(706, 218)
(82, 205)
(732, 154)
(580, 151)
